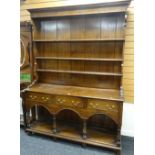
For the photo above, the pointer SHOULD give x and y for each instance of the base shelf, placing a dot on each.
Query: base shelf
(97, 138)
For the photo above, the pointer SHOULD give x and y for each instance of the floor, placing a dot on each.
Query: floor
(41, 145)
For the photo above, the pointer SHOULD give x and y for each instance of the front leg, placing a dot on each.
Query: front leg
(28, 119)
(118, 152)
(54, 124)
(118, 137)
(84, 131)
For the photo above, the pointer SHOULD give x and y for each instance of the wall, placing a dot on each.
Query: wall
(128, 69)
(128, 120)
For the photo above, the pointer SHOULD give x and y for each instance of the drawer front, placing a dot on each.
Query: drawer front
(69, 101)
(103, 105)
(45, 98)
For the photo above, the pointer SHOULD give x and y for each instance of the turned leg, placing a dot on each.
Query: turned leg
(28, 118)
(54, 124)
(24, 115)
(30, 133)
(84, 145)
(118, 137)
(36, 113)
(118, 152)
(84, 132)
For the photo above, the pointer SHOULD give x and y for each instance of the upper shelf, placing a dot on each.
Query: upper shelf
(81, 59)
(78, 40)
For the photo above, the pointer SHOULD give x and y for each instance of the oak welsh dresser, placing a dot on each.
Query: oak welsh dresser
(77, 59)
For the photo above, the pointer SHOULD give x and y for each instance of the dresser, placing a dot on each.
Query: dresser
(77, 91)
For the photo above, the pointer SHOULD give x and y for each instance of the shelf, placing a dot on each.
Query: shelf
(79, 72)
(78, 40)
(84, 92)
(81, 59)
(70, 133)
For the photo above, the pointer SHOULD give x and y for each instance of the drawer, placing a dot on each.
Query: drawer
(39, 97)
(69, 101)
(102, 105)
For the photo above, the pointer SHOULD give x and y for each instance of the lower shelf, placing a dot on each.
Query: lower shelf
(95, 138)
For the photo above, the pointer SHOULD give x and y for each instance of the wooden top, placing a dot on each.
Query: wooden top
(96, 93)
(112, 6)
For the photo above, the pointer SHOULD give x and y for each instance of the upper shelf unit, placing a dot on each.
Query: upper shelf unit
(80, 46)
(102, 22)
(83, 29)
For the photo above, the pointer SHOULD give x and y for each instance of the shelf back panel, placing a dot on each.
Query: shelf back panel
(94, 81)
(95, 27)
(96, 49)
(106, 26)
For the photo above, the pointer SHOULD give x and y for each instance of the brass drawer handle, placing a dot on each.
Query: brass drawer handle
(33, 97)
(113, 106)
(45, 98)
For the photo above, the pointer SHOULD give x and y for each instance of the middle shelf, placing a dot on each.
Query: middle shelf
(80, 72)
(122, 39)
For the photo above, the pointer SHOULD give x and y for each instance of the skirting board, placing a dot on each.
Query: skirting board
(127, 122)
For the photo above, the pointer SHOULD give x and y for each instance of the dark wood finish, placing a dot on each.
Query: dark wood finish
(77, 59)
